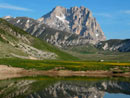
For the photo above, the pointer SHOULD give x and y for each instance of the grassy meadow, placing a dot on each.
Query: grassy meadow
(65, 65)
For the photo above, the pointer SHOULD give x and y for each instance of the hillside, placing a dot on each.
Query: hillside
(14, 42)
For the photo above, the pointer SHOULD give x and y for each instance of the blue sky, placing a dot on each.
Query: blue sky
(112, 15)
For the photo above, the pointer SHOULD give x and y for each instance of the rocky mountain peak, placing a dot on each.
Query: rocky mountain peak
(77, 20)
(63, 27)
(81, 8)
(59, 8)
(59, 11)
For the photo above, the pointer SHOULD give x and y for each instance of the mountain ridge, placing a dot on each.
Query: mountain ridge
(58, 36)
(115, 45)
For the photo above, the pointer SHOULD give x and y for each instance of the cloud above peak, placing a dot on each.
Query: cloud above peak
(13, 7)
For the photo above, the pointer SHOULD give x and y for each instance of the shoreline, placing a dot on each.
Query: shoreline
(7, 72)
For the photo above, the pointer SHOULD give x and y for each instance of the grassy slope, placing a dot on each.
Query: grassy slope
(42, 45)
(5, 47)
(85, 49)
(39, 44)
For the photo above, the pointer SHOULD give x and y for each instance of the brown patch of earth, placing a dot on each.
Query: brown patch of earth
(13, 72)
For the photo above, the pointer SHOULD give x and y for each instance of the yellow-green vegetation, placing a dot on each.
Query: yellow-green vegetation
(65, 65)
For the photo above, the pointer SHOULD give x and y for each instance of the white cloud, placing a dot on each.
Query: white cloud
(126, 11)
(103, 15)
(13, 7)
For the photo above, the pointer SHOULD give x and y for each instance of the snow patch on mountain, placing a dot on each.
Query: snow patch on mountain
(62, 18)
(18, 21)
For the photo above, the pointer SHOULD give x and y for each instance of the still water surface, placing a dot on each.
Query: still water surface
(69, 87)
(107, 95)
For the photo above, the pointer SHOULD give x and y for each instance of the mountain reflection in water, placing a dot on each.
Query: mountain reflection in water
(47, 87)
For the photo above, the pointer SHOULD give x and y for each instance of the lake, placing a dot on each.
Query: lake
(65, 87)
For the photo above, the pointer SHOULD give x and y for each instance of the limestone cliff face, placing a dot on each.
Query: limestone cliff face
(75, 20)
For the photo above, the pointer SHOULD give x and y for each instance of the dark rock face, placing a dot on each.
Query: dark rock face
(63, 27)
(115, 45)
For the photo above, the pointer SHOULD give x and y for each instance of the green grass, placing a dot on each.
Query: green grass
(66, 65)
(85, 49)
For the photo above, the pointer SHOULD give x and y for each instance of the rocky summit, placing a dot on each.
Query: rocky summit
(63, 27)
(75, 20)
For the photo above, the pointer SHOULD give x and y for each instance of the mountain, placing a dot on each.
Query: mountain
(63, 27)
(14, 42)
(75, 20)
(69, 27)
(115, 45)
